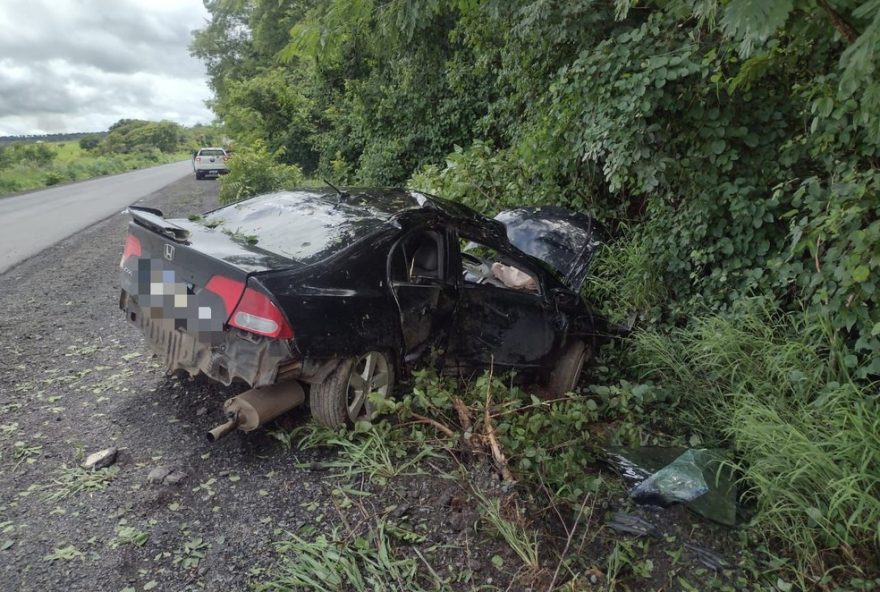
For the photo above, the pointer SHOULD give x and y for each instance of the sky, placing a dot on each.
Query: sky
(81, 65)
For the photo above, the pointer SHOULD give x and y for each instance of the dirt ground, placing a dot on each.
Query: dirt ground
(75, 379)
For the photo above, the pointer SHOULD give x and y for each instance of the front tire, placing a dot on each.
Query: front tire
(342, 398)
(567, 372)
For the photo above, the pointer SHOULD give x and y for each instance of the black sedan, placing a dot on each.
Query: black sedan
(343, 290)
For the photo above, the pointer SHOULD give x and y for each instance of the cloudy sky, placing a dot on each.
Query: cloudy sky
(81, 65)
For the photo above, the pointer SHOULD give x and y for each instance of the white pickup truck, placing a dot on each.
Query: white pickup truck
(210, 162)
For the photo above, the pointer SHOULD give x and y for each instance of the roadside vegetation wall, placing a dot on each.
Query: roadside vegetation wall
(732, 149)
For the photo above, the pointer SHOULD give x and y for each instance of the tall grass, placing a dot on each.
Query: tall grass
(806, 437)
(625, 278)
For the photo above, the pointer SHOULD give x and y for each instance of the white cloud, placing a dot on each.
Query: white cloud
(68, 65)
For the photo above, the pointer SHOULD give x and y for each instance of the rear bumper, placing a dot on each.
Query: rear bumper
(212, 172)
(221, 355)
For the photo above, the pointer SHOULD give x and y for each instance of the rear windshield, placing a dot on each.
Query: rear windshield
(303, 226)
(211, 153)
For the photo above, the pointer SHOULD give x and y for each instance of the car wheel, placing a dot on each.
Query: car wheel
(199, 176)
(342, 398)
(567, 372)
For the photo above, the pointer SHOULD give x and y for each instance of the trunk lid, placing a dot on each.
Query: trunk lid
(188, 271)
(563, 239)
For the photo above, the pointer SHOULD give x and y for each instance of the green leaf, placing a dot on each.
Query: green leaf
(860, 273)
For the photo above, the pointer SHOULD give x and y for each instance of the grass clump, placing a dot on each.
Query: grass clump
(332, 563)
(74, 480)
(806, 436)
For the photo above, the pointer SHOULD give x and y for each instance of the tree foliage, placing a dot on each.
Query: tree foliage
(732, 146)
(742, 134)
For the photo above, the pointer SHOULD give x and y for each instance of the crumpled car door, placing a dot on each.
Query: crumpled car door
(418, 273)
(500, 325)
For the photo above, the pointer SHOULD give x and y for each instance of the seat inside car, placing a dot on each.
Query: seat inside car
(425, 260)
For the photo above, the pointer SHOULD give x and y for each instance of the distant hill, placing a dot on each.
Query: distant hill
(49, 137)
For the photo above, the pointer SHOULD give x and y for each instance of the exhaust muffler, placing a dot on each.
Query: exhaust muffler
(253, 408)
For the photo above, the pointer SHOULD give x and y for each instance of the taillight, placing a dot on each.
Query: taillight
(132, 249)
(251, 311)
(258, 314)
(198, 159)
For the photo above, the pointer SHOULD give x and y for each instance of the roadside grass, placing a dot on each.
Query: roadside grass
(73, 480)
(67, 162)
(805, 436)
(371, 452)
(624, 278)
(514, 531)
(329, 563)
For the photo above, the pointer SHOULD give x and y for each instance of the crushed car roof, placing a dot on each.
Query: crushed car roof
(309, 225)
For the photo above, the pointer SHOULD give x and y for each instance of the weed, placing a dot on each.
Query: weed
(73, 480)
(375, 453)
(128, 535)
(514, 533)
(24, 453)
(333, 563)
(190, 555)
(67, 553)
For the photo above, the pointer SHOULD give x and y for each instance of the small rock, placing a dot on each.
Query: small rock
(158, 474)
(474, 565)
(174, 477)
(101, 459)
(201, 411)
(166, 475)
(594, 579)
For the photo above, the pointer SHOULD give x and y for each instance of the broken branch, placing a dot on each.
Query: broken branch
(422, 419)
(497, 453)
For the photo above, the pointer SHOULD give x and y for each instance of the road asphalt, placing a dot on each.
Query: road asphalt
(34, 221)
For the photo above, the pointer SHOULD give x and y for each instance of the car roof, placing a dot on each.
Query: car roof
(308, 225)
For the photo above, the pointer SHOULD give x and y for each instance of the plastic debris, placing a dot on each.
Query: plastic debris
(664, 476)
(629, 524)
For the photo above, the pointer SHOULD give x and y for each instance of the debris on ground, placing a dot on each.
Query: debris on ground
(166, 475)
(661, 477)
(101, 459)
(629, 524)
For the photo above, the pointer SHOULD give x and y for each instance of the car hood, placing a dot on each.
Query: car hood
(563, 239)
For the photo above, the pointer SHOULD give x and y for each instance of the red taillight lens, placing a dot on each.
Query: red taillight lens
(132, 249)
(258, 314)
(251, 311)
(228, 290)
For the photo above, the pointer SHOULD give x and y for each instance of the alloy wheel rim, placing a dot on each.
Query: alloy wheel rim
(370, 373)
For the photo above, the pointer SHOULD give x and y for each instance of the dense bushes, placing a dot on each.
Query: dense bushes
(730, 147)
(254, 171)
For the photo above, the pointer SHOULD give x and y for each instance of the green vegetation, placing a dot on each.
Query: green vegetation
(730, 147)
(130, 144)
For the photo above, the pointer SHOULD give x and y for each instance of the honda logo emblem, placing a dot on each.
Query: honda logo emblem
(169, 252)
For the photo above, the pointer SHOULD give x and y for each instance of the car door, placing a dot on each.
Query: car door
(502, 318)
(423, 288)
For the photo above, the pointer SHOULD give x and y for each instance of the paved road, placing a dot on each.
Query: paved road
(34, 221)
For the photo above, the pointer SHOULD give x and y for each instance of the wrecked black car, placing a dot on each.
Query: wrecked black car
(343, 290)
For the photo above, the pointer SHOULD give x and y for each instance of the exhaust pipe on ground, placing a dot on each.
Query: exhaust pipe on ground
(253, 408)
